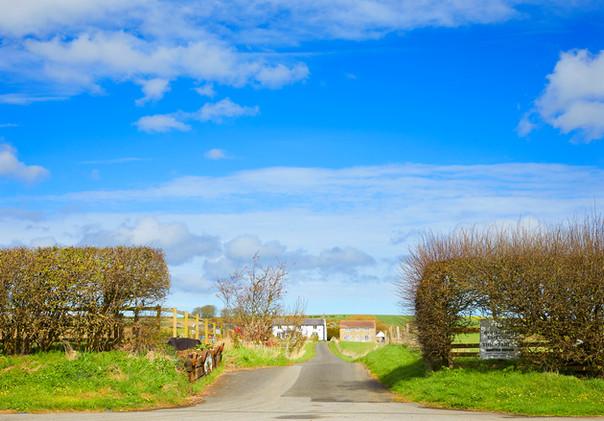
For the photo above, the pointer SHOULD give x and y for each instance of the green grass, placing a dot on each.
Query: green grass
(480, 386)
(114, 380)
(393, 320)
(359, 348)
(350, 351)
(336, 351)
(94, 381)
(261, 356)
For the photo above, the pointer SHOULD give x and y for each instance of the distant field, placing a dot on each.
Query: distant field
(388, 319)
(350, 351)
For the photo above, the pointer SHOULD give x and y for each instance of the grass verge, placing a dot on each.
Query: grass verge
(261, 356)
(94, 381)
(115, 380)
(479, 386)
(350, 351)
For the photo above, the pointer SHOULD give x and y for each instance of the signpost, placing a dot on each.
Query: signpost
(496, 343)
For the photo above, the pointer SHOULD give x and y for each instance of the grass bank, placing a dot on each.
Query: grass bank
(115, 380)
(479, 386)
(262, 356)
(112, 380)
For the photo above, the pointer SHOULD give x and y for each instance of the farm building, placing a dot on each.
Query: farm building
(308, 328)
(357, 330)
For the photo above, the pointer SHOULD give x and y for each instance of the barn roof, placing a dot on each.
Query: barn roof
(361, 324)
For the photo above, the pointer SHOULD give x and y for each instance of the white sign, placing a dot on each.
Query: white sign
(496, 343)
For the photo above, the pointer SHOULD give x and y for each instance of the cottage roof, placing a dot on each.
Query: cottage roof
(359, 324)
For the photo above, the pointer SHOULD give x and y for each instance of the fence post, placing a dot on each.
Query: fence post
(205, 336)
(197, 326)
(186, 324)
(174, 326)
(158, 319)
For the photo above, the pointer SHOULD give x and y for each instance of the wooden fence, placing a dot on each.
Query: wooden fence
(178, 323)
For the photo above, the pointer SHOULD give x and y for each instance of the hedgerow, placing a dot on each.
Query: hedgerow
(544, 284)
(50, 295)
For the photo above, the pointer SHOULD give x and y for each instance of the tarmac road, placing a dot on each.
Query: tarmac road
(325, 388)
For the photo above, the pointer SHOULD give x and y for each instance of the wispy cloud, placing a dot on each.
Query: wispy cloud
(223, 109)
(206, 90)
(161, 123)
(215, 112)
(215, 154)
(76, 46)
(8, 125)
(124, 160)
(153, 90)
(456, 192)
(25, 99)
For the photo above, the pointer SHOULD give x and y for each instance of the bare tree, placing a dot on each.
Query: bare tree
(253, 299)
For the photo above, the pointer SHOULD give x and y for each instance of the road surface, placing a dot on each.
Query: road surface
(325, 388)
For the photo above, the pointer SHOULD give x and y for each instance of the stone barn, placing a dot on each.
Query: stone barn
(357, 330)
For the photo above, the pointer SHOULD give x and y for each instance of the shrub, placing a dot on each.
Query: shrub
(545, 283)
(48, 295)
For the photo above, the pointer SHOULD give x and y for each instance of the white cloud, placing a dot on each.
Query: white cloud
(280, 75)
(215, 154)
(240, 251)
(245, 247)
(8, 125)
(525, 125)
(225, 108)
(206, 90)
(175, 239)
(215, 112)
(40, 17)
(74, 45)
(83, 61)
(573, 100)
(11, 167)
(161, 123)
(153, 90)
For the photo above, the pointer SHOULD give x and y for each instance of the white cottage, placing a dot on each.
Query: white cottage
(308, 327)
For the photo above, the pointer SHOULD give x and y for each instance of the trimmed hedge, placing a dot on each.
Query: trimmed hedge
(49, 295)
(540, 284)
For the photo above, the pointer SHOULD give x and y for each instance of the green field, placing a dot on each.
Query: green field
(388, 319)
(478, 385)
(115, 380)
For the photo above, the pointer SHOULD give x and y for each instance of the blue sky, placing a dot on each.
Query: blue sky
(326, 135)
